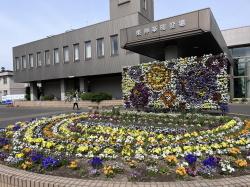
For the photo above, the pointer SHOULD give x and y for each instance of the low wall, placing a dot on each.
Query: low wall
(11, 177)
(63, 104)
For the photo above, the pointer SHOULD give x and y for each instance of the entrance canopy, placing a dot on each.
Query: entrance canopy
(193, 34)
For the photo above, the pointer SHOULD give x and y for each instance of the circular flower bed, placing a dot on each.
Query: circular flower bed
(129, 147)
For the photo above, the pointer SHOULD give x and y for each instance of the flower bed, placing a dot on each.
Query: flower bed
(129, 147)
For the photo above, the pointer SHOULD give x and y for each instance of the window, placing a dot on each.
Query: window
(87, 50)
(76, 52)
(114, 44)
(5, 92)
(56, 56)
(24, 62)
(4, 80)
(31, 61)
(145, 4)
(66, 53)
(241, 51)
(39, 60)
(47, 58)
(100, 47)
(17, 63)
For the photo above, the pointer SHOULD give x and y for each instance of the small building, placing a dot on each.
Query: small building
(8, 86)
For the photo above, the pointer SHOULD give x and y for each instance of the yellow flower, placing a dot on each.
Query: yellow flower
(109, 151)
(19, 155)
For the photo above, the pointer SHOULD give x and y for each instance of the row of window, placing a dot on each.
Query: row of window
(65, 51)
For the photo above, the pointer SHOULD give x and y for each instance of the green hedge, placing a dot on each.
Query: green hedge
(48, 97)
(87, 96)
(101, 96)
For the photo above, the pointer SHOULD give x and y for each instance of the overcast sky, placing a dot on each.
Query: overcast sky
(24, 21)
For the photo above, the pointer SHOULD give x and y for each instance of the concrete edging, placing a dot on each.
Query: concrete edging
(63, 104)
(11, 177)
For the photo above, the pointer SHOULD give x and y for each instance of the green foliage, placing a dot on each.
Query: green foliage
(115, 111)
(243, 100)
(48, 97)
(87, 96)
(101, 96)
(27, 92)
(164, 171)
(27, 97)
(71, 93)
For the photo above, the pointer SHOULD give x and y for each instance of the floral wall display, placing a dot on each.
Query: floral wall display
(186, 83)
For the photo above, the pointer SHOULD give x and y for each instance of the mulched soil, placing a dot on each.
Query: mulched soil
(85, 168)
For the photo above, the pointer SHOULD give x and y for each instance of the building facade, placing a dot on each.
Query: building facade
(90, 59)
(238, 42)
(8, 86)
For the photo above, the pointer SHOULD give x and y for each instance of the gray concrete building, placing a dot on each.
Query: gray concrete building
(91, 58)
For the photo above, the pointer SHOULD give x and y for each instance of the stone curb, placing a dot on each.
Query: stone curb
(11, 177)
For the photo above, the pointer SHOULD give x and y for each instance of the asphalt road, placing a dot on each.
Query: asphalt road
(11, 115)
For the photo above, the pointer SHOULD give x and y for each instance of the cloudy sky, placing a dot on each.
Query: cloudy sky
(24, 21)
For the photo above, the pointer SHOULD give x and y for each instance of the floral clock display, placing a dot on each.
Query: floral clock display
(186, 83)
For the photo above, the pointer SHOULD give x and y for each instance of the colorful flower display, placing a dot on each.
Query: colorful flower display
(186, 83)
(186, 147)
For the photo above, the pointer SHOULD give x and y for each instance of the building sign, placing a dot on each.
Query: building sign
(163, 27)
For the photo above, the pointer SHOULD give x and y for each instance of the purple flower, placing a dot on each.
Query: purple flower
(135, 174)
(196, 84)
(3, 155)
(210, 162)
(135, 72)
(191, 158)
(3, 141)
(96, 163)
(37, 158)
(50, 162)
(224, 108)
(94, 172)
(127, 105)
(139, 96)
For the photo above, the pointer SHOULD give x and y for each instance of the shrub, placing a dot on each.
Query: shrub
(243, 100)
(101, 96)
(87, 96)
(72, 93)
(27, 92)
(48, 97)
(27, 97)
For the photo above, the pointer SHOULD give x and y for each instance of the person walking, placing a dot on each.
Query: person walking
(75, 102)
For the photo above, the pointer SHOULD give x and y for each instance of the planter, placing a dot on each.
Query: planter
(245, 103)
